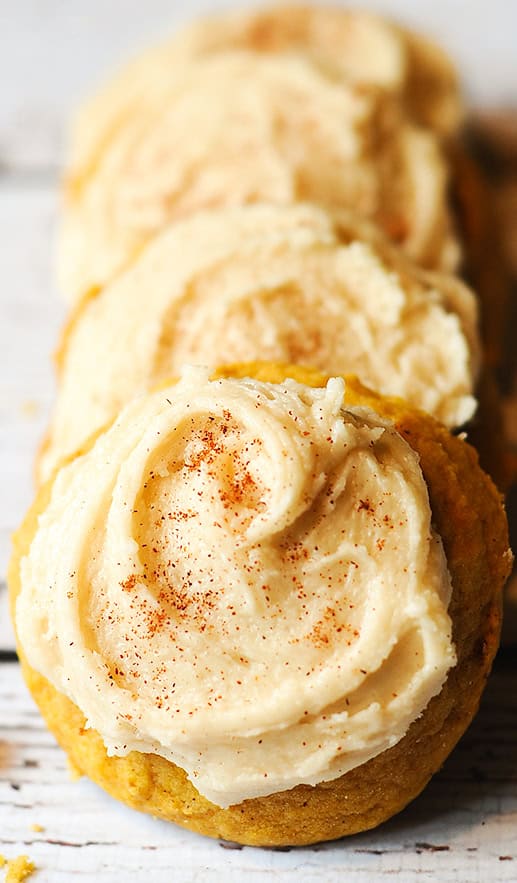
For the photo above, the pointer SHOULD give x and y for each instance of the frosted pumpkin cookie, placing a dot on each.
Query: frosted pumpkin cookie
(290, 283)
(240, 127)
(357, 46)
(262, 610)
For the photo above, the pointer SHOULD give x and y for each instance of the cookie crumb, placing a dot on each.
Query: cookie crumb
(18, 869)
(37, 828)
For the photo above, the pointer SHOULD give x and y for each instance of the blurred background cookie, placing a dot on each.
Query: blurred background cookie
(357, 46)
(271, 587)
(291, 283)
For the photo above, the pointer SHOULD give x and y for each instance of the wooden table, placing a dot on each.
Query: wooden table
(464, 827)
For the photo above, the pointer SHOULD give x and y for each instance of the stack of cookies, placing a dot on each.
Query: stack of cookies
(259, 590)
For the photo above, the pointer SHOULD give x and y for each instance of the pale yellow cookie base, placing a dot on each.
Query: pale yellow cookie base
(468, 514)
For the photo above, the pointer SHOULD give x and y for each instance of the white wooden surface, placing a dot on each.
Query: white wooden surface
(464, 827)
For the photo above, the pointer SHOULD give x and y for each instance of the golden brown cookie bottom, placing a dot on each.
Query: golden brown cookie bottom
(486, 269)
(468, 514)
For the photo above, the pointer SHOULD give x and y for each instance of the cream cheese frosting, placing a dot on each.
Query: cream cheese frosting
(358, 46)
(240, 127)
(243, 578)
(281, 283)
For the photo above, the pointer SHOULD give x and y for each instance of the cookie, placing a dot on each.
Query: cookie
(262, 610)
(291, 283)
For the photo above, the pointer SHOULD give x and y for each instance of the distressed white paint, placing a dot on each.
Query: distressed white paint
(53, 51)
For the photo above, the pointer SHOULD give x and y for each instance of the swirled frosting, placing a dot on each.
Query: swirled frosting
(241, 577)
(237, 128)
(292, 284)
